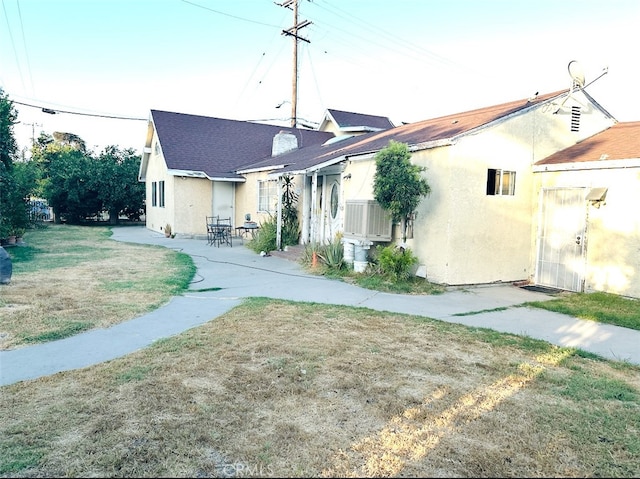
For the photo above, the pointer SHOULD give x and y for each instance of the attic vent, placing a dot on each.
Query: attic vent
(575, 118)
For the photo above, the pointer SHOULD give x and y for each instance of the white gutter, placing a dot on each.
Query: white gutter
(588, 165)
(427, 145)
(262, 168)
(306, 171)
(201, 174)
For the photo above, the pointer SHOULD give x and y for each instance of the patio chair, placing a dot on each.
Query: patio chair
(218, 231)
(223, 231)
(212, 221)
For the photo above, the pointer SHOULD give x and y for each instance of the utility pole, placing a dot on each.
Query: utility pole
(293, 32)
(33, 131)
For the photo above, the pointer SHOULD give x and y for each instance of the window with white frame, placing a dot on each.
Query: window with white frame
(500, 182)
(267, 196)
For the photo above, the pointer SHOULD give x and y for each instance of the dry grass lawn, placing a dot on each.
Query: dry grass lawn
(83, 280)
(311, 390)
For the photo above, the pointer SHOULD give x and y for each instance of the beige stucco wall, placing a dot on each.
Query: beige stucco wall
(360, 175)
(612, 262)
(462, 235)
(192, 205)
(187, 200)
(157, 217)
(247, 198)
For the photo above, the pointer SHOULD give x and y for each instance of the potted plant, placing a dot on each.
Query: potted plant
(19, 233)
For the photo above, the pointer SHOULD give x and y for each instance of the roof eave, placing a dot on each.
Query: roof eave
(260, 169)
(360, 128)
(587, 165)
(202, 174)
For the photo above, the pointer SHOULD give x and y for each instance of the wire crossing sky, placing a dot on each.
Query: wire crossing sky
(99, 64)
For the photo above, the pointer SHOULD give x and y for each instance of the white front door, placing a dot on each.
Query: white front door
(332, 209)
(223, 199)
(561, 239)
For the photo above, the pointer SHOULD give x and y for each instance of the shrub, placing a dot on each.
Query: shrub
(265, 238)
(395, 262)
(332, 255)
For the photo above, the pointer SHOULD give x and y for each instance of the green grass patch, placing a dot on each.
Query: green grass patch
(16, 456)
(69, 329)
(583, 386)
(135, 373)
(601, 307)
(527, 343)
(60, 246)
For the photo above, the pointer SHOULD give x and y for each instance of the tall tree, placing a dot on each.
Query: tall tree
(398, 184)
(69, 185)
(116, 174)
(12, 207)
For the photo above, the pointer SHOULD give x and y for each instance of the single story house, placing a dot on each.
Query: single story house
(480, 224)
(190, 162)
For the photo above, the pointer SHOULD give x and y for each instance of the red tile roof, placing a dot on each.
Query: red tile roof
(620, 142)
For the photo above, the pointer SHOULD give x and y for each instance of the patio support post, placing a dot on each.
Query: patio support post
(279, 217)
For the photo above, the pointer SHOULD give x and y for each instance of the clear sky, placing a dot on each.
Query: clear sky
(408, 60)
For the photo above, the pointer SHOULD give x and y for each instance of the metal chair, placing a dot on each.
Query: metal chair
(212, 221)
(223, 231)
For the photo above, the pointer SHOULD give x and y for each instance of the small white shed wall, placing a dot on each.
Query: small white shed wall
(613, 228)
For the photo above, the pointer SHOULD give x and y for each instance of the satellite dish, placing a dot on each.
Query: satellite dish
(576, 73)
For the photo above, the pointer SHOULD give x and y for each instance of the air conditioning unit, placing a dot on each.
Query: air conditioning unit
(366, 219)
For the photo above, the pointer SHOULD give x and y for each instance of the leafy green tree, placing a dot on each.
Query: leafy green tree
(13, 211)
(69, 186)
(398, 184)
(79, 185)
(116, 179)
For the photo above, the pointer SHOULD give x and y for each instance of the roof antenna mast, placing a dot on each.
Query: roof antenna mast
(293, 32)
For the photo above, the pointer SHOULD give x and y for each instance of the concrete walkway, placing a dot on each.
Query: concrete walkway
(240, 273)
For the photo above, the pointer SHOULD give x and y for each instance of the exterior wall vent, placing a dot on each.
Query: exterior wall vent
(575, 118)
(365, 219)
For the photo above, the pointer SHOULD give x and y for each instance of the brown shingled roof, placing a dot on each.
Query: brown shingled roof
(620, 142)
(442, 128)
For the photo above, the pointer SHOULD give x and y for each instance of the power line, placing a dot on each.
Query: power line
(13, 43)
(390, 36)
(229, 15)
(53, 111)
(24, 43)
